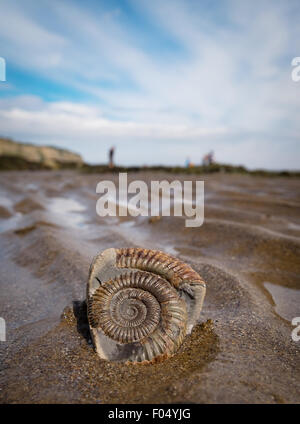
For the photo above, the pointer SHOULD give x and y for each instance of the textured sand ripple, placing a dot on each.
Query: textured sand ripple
(247, 251)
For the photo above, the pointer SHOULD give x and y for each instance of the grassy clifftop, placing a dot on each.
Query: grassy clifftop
(14, 155)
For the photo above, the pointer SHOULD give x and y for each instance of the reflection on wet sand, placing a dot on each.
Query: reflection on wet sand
(286, 300)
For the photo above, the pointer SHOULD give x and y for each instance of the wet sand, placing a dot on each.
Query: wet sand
(247, 251)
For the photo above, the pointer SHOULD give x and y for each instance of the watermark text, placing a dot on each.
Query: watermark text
(161, 198)
(296, 71)
(296, 331)
(2, 330)
(2, 69)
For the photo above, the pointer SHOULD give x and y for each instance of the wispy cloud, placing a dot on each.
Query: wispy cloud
(165, 79)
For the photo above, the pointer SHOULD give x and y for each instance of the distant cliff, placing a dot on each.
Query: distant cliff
(15, 155)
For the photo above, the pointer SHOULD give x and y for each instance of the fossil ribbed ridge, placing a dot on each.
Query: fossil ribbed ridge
(141, 304)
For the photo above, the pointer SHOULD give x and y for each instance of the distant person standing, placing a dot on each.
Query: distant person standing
(111, 157)
(208, 159)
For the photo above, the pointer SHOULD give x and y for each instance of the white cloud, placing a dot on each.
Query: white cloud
(229, 88)
(79, 121)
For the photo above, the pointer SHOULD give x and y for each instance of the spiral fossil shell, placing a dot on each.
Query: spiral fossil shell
(141, 304)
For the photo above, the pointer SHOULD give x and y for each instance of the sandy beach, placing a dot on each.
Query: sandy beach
(247, 251)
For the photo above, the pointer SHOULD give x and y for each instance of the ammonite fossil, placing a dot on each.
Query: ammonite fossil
(141, 304)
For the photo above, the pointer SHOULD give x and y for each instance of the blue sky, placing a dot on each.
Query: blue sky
(160, 80)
